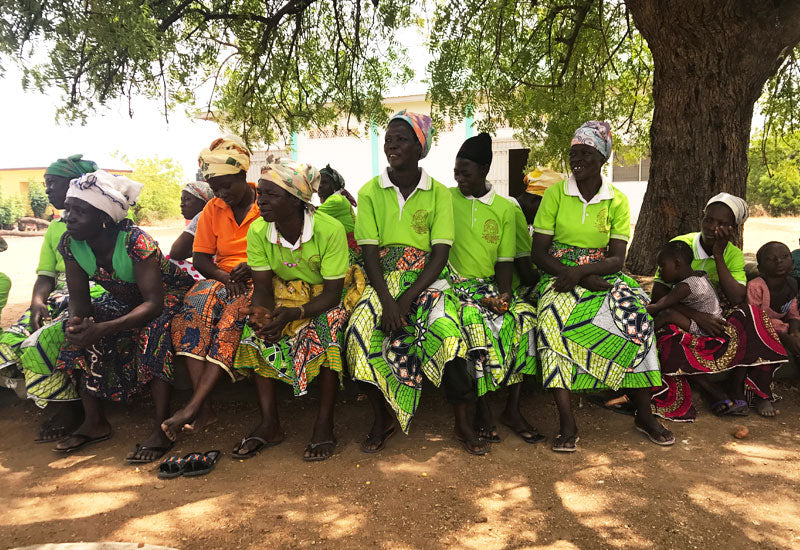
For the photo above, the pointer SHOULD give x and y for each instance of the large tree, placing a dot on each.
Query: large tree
(695, 67)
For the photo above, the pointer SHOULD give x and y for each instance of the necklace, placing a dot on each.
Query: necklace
(294, 261)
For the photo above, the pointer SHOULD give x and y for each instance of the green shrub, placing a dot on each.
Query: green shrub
(12, 208)
(161, 196)
(37, 199)
(775, 185)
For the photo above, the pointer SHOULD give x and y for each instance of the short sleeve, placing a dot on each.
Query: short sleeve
(522, 235)
(48, 255)
(734, 259)
(442, 227)
(336, 257)
(508, 239)
(256, 247)
(545, 220)
(191, 228)
(205, 241)
(620, 217)
(140, 245)
(366, 230)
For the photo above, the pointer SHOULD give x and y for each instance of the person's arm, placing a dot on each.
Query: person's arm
(182, 247)
(659, 291)
(504, 274)
(281, 316)
(80, 301)
(567, 277)
(433, 268)
(734, 290)
(673, 298)
(42, 288)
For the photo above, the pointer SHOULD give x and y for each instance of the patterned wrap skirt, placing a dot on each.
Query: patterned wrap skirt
(210, 326)
(500, 347)
(591, 341)
(397, 363)
(749, 341)
(307, 345)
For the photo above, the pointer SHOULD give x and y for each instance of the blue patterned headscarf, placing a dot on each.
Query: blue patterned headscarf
(595, 134)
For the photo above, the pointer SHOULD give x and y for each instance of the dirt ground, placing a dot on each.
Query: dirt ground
(423, 491)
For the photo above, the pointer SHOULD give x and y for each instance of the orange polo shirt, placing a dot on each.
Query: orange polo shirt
(218, 233)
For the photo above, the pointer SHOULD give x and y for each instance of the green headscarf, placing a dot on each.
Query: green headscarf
(71, 167)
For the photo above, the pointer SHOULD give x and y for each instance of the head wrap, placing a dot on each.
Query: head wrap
(595, 134)
(223, 157)
(111, 194)
(422, 126)
(738, 206)
(199, 189)
(299, 179)
(71, 167)
(478, 149)
(537, 181)
(338, 181)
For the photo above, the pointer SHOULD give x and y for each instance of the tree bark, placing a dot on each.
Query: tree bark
(711, 61)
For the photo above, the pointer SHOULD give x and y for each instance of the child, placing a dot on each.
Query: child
(691, 289)
(775, 292)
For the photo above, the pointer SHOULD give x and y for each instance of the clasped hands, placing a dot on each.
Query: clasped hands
(573, 276)
(269, 325)
(84, 332)
(236, 283)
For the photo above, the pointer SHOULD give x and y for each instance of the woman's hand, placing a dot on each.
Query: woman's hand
(241, 273)
(258, 316)
(393, 317)
(723, 235)
(567, 279)
(85, 332)
(234, 288)
(595, 283)
(39, 314)
(710, 324)
(282, 316)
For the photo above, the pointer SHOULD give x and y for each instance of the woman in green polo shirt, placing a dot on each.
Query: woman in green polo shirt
(593, 330)
(744, 343)
(337, 203)
(405, 328)
(299, 260)
(496, 324)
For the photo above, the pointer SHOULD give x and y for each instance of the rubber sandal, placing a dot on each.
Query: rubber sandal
(139, 448)
(200, 464)
(494, 437)
(172, 467)
(722, 407)
(50, 427)
(262, 444)
(384, 437)
(85, 442)
(652, 438)
(468, 444)
(535, 437)
(740, 408)
(620, 404)
(559, 444)
(313, 446)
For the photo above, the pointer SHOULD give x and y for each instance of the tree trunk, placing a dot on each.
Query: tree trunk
(711, 61)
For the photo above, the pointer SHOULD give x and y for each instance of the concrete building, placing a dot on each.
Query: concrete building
(16, 180)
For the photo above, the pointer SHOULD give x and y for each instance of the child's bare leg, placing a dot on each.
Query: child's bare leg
(672, 317)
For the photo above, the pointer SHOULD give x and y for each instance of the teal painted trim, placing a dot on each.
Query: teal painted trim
(373, 134)
(294, 145)
(468, 122)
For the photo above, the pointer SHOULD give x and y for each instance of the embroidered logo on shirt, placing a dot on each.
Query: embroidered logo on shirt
(315, 263)
(419, 222)
(490, 231)
(601, 222)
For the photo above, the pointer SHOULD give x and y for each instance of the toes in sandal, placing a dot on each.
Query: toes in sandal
(314, 446)
(200, 464)
(381, 441)
(561, 443)
(653, 435)
(472, 446)
(488, 433)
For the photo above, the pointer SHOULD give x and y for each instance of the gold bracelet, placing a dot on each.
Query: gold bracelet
(302, 312)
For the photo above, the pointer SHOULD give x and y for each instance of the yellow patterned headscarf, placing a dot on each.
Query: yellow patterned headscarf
(223, 157)
(299, 179)
(537, 181)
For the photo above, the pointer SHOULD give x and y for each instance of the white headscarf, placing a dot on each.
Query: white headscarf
(737, 205)
(111, 194)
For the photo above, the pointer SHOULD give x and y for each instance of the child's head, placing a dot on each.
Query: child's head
(675, 261)
(774, 259)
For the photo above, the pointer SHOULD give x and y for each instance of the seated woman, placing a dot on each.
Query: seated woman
(740, 341)
(406, 325)
(208, 331)
(593, 331)
(497, 326)
(194, 197)
(118, 344)
(31, 345)
(299, 261)
(337, 202)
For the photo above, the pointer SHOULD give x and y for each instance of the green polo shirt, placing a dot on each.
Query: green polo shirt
(385, 218)
(320, 253)
(733, 257)
(51, 262)
(485, 233)
(338, 207)
(524, 241)
(571, 220)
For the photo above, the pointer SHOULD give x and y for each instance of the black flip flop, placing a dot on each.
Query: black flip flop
(494, 438)
(384, 437)
(172, 467)
(50, 427)
(652, 437)
(161, 450)
(85, 442)
(200, 464)
(312, 446)
(467, 444)
(535, 436)
(262, 444)
(560, 441)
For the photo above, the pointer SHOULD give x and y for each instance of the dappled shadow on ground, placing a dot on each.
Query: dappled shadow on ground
(422, 491)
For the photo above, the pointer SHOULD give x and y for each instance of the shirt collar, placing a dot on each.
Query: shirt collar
(604, 193)
(487, 198)
(697, 248)
(274, 236)
(424, 183)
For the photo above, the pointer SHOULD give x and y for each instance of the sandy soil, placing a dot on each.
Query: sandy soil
(423, 491)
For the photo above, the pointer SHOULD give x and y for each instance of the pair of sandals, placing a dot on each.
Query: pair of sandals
(193, 464)
(569, 444)
(262, 444)
(734, 407)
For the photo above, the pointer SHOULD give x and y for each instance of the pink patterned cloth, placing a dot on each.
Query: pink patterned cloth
(758, 295)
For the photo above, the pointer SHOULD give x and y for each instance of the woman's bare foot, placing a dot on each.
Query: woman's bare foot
(205, 418)
(152, 448)
(764, 408)
(265, 435)
(176, 423)
(322, 443)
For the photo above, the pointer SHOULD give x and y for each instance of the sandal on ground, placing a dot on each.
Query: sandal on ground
(365, 448)
(740, 408)
(315, 446)
(721, 407)
(172, 467)
(161, 450)
(488, 433)
(472, 446)
(262, 444)
(84, 441)
(200, 464)
(620, 404)
(53, 430)
(653, 435)
(561, 444)
(528, 434)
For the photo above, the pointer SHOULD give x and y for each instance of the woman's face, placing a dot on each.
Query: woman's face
(327, 187)
(776, 260)
(716, 216)
(231, 189)
(585, 161)
(470, 177)
(83, 220)
(400, 145)
(56, 188)
(275, 203)
(191, 205)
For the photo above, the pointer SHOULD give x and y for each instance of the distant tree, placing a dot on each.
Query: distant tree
(161, 196)
(37, 198)
(774, 178)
